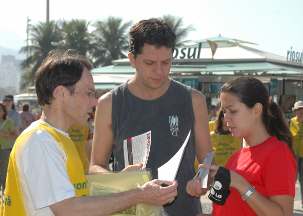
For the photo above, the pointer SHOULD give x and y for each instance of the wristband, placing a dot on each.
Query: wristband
(219, 191)
(248, 193)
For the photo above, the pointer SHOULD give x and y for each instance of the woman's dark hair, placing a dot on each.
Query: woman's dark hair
(251, 91)
(152, 31)
(4, 110)
(59, 68)
(220, 124)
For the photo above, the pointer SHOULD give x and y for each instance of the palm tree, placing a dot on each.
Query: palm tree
(176, 24)
(27, 79)
(76, 36)
(109, 40)
(43, 38)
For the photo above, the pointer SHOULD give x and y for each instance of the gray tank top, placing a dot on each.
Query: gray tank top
(169, 118)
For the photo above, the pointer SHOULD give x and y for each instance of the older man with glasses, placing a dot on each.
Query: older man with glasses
(45, 174)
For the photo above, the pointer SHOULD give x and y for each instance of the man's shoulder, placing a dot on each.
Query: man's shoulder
(34, 143)
(35, 136)
(113, 95)
(179, 85)
(105, 99)
(197, 95)
(194, 92)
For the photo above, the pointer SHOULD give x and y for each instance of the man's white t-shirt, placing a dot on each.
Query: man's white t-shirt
(42, 172)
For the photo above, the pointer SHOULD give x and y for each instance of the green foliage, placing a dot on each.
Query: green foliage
(176, 24)
(107, 41)
(76, 36)
(43, 37)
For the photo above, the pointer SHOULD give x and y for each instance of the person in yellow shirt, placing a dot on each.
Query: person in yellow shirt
(224, 144)
(213, 115)
(45, 173)
(212, 125)
(296, 129)
(80, 135)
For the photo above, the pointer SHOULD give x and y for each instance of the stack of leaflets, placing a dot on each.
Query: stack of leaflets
(107, 183)
(136, 149)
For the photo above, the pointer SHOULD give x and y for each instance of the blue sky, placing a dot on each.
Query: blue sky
(275, 25)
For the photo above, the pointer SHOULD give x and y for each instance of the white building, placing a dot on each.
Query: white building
(10, 75)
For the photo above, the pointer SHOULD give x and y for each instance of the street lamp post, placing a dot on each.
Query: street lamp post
(47, 11)
(27, 34)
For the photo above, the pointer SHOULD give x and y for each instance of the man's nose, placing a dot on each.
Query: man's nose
(159, 69)
(93, 101)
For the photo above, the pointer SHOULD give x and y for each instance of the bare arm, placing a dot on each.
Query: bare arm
(103, 135)
(275, 205)
(150, 193)
(202, 139)
(261, 205)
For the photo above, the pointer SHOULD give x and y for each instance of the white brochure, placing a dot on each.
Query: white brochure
(168, 171)
(136, 149)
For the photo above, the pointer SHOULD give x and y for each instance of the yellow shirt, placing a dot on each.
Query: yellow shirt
(224, 146)
(13, 204)
(79, 134)
(212, 125)
(296, 129)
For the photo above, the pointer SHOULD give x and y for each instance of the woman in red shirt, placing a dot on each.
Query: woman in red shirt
(263, 172)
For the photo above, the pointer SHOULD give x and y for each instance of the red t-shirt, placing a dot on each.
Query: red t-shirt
(270, 167)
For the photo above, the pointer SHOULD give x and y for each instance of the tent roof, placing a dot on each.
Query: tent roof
(237, 59)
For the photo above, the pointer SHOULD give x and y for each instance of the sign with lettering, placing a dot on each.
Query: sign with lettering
(294, 56)
(189, 52)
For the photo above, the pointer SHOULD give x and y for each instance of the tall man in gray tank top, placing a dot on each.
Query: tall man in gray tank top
(151, 103)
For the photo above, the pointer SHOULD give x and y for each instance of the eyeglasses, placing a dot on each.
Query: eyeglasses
(90, 94)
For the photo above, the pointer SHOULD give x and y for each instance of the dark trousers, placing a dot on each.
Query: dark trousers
(300, 175)
(4, 157)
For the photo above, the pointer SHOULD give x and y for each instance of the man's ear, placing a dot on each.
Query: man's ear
(131, 58)
(59, 92)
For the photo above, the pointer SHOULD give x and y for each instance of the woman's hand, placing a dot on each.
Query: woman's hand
(193, 187)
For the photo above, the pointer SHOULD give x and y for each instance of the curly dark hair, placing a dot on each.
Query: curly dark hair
(152, 31)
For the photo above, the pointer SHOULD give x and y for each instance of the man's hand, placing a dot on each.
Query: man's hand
(155, 194)
(133, 167)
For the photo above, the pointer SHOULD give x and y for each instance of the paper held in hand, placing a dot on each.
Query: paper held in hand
(168, 171)
(103, 184)
(136, 149)
(203, 172)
